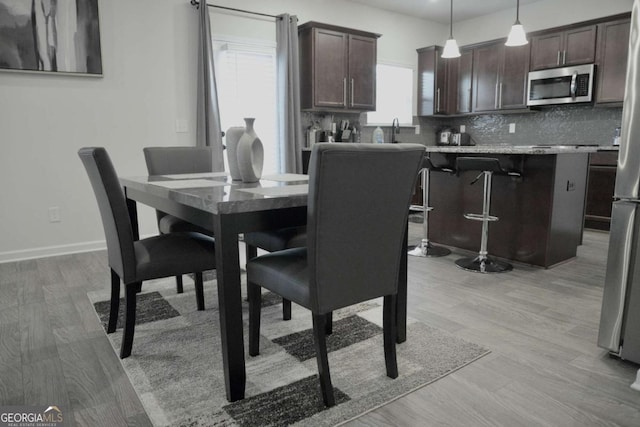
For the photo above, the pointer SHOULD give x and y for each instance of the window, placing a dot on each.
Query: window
(246, 83)
(394, 93)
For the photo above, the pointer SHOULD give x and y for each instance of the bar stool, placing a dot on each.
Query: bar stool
(487, 167)
(425, 248)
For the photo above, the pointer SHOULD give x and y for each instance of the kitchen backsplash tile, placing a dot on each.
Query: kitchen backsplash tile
(561, 125)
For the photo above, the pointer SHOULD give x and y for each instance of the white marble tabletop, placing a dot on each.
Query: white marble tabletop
(218, 194)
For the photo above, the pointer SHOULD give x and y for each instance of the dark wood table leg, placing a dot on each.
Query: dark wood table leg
(230, 303)
(401, 310)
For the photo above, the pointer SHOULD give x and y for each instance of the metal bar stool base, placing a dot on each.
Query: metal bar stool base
(483, 265)
(427, 250)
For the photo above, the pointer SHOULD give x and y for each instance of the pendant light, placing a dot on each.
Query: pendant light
(517, 36)
(451, 46)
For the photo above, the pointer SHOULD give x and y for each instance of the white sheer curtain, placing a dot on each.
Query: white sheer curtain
(288, 86)
(208, 124)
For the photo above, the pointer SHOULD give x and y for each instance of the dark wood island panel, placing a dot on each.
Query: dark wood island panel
(541, 213)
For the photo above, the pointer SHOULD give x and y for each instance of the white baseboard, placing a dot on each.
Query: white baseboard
(50, 251)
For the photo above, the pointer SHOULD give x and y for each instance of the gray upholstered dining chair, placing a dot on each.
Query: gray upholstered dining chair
(273, 241)
(177, 160)
(359, 197)
(134, 261)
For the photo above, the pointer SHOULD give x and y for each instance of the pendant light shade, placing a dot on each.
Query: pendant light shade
(517, 35)
(451, 46)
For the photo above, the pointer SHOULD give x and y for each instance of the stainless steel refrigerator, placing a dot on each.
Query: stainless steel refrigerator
(620, 317)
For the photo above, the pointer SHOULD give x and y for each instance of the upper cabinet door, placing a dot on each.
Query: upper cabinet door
(579, 46)
(613, 51)
(486, 69)
(432, 82)
(569, 47)
(464, 78)
(330, 68)
(513, 78)
(337, 68)
(546, 51)
(362, 73)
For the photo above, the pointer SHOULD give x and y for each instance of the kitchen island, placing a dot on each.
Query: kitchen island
(541, 213)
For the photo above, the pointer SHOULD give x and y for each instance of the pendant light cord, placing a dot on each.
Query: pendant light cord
(517, 12)
(451, 21)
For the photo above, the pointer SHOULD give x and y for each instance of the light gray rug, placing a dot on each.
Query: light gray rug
(175, 365)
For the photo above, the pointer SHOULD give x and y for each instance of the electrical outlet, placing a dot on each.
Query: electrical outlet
(54, 214)
(181, 126)
(417, 129)
(571, 186)
(463, 128)
(512, 128)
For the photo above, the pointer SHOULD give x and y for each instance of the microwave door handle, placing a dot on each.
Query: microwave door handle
(574, 84)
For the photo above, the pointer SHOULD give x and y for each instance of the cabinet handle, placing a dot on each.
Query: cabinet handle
(500, 96)
(495, 103)
(564, 57)
(470, 100)
(437, 100)
(352, 97)
(558, 60)
(344, 91)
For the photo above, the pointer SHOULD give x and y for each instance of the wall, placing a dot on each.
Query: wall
(536, 16)
(149, 55)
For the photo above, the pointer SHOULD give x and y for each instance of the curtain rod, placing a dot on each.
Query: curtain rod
(194, 3)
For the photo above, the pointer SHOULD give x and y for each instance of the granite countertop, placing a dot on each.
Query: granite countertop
(521, 149)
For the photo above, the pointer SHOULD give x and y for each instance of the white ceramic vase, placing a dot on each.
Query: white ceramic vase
(250, 154)
(232, 137)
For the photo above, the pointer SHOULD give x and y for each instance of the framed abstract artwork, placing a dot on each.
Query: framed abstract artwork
(53, 36)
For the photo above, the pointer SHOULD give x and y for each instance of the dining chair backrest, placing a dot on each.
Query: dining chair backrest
(358, 205)
(113, 210)
(176, 160)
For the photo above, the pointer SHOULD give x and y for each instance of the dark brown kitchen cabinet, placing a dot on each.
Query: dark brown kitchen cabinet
(432, 82)
(567, 47)
(612, 53)
(600, 189)
(337, 68)
(462, 83)
(500, 77)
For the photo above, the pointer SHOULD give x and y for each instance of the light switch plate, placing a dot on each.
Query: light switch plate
(512, 128)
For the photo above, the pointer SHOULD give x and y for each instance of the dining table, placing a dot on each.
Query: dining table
(229, 208)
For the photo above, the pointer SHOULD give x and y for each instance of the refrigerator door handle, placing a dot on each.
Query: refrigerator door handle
(619, 264)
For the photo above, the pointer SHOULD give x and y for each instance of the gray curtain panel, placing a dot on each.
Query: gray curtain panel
(208, 126)
(288, 75)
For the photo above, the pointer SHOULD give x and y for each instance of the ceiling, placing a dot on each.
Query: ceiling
(438, 10)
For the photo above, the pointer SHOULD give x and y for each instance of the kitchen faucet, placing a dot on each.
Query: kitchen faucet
(395, 128)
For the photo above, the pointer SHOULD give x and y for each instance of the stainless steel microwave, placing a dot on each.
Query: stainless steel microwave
(566, 85)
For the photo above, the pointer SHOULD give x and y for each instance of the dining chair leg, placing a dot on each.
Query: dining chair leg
(129, 319)
(328, 325)
(179, 287)
(199, 291)
(114, 305)
(390, 331)
(286, 309)
(322, 358)
(255, 303)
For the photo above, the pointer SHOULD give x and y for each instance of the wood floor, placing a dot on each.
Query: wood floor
(541, 326)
